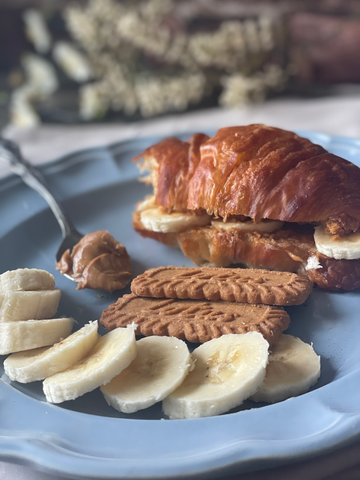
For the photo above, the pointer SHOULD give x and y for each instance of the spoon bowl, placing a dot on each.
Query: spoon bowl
(10, 152)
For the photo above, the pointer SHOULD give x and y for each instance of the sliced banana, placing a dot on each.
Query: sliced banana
(227, 371)
(111, 354)
(340, 248)
(155, 220)
(37, 364)
(24, 279)
(293, 368)
(17, 306)
(148, 202)
(265, 226)
(29, 334)
(161, 365)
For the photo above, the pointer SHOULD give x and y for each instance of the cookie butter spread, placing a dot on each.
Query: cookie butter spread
(98, 262)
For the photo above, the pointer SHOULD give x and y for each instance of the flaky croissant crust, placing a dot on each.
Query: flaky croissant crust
(259, 172)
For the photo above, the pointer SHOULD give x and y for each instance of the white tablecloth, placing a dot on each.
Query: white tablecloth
(336, 115)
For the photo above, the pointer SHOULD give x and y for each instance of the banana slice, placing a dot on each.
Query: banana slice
(266, 226)
(148, 202)
(37, 364)
(16, 306)
(293, 368)
(340, 248)
(29, 334)
(161, 365)
(153, 219)
(227, 371)
(111, 354)
(24, 279)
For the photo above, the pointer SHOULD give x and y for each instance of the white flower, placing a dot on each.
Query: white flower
(158, 95)
(22, 114)
(41, 75)
(92, 103)
(240, 89)
(36, 30)
(41, 82)
(82, 27)
(72, 61)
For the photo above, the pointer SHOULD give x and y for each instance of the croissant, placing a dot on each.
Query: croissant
(252, 195)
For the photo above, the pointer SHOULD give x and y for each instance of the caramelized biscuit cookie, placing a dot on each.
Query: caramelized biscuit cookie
(194, 320)
(230, 285)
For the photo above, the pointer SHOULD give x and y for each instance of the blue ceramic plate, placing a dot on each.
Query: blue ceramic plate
(86, 438)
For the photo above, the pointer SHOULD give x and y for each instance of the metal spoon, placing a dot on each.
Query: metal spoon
(10, 152)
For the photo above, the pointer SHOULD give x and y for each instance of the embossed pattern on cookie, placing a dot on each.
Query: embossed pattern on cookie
(194, 320)
(228, 284)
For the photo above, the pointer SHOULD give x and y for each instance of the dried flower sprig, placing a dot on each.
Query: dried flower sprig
(240, 90)
(137, 57)
(41, 83)
(36, 30)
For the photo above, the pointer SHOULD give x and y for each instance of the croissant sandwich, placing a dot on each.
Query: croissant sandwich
(256, 196)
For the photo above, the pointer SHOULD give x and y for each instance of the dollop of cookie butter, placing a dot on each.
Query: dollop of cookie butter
(98, 262)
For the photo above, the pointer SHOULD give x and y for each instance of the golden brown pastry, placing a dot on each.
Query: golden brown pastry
(172, 164)
(251, 195)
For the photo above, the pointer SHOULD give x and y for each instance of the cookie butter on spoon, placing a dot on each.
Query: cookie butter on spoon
(98, 262)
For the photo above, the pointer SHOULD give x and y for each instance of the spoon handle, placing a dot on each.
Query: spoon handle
(10, 152)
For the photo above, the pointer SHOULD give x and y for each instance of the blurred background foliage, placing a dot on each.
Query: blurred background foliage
(100, 60)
